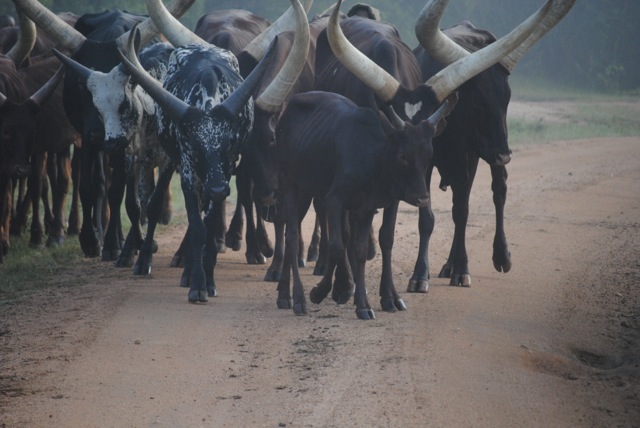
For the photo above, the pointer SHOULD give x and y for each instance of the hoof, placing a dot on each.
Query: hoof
(300, 308)
(418, 286)
(110, 255)
(232, 242)
(221, 247)
(177, 261)
(393, 305)
(211, 291)
(365, 314)
(142, 269)
(342, 297)
(124, 260)
(312, 255)
(196, 296)
(302, 263)
(154, 247)
(317, 295)
(502, 267)
(55, 242)
(272, 275)
(446, 271)
(283, 303)
(318, 270)
(463, 280)
(255, 259)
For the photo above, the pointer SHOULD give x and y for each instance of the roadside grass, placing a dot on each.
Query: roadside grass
(27, 269)
(589, 115)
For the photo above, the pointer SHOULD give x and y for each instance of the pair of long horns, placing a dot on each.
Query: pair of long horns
(447, 80)
(69, 39)
(446, 51)
(273, 96)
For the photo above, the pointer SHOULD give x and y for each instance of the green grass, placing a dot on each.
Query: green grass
(27, 269)
(588, 115)
(585, 120)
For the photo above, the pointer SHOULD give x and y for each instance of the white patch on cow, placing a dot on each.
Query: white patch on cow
(412, 109)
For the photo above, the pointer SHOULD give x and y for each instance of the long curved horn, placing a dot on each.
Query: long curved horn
(559, 9)
(67, 37)
(272, 97)
(371, 74)
(237, 100)
(454, 75)
(26, 39)
(42, 94)
(286, 22)
(432, 39)
(173, 106)
(148, 28)
(79, 70)
(177, 34)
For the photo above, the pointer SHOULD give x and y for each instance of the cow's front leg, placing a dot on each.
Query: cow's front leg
(389, 299)
(457, 266)
(212, 221)
(112, 238)
(134, 240)
(197, 235)
(419, 282)
(501, 254)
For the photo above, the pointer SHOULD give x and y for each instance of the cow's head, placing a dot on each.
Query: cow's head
(120, 103)
(204, 131)
(410, 151)
(481, 116)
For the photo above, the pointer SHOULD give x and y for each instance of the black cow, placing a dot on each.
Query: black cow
(205, 116)
(477, 130)
(366, 61)
(94, 43)
(247, 36)
(41, 138)
(320, 135)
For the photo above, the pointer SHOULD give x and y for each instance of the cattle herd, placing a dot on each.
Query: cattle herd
(335, 110)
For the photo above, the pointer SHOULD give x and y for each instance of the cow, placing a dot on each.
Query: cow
(205, 116)
(247, 35)
(11, 87)
(366, 61)
(129, 118)
(94, 42)
(319, 135)
(477, 130)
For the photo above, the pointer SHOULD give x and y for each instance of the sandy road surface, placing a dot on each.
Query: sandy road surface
(555, 342)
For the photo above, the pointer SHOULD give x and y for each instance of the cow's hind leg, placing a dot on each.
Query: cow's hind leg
(358, 253)
(501, 254)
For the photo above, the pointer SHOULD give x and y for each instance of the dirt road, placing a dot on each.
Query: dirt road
(554, 342)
